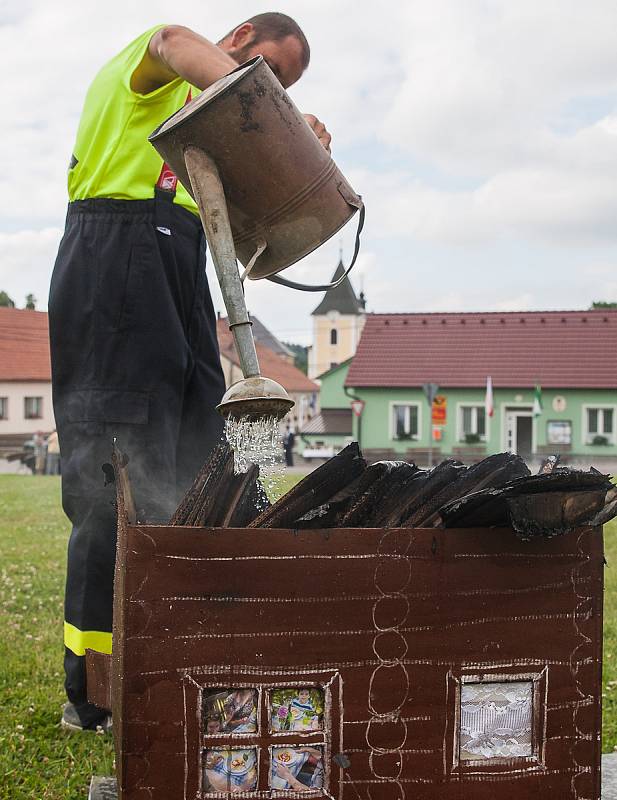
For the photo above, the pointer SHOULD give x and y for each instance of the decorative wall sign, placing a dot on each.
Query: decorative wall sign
(439, 410)
(559, 403)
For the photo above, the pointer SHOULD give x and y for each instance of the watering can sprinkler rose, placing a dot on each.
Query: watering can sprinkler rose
(268, 194)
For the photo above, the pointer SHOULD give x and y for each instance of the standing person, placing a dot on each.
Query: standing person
(39, 453)
(132, 328)
(288, 445)
(52, 467)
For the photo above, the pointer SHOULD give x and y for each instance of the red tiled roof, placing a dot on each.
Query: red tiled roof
(24, 345)
(272, 366)
(558, 349)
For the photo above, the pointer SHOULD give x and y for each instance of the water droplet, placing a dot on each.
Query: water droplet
(257, 442)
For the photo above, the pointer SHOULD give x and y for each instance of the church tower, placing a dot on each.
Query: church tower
(337, 324)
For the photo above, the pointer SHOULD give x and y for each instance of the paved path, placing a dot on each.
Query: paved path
(609, 776)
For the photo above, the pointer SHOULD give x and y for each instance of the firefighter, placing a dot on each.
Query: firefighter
(133, 333)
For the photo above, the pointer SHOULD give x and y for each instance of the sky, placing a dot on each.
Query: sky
(482, 135)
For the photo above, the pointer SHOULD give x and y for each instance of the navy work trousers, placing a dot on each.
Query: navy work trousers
(134, 358)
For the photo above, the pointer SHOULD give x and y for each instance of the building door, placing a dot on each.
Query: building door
(519, 431)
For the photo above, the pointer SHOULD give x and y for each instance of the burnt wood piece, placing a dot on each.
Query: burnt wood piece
(207, 476)
(210, 505)
(560, 479)
(380, 479)
(394, 495)
(488, 507)
(314, 490)
(553, 513)
(492, 472)
(549, 464)
(332, 513)
(251, 501)
(484, 509)
(417, 493)
(609, 510)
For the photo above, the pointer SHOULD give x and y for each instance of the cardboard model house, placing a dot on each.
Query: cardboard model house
(358, 664)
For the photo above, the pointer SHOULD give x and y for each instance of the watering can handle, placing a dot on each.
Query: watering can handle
(356, 201)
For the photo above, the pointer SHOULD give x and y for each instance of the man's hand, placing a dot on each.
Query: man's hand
(319, 129)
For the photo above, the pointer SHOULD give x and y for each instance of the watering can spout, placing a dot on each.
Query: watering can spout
(255, 397)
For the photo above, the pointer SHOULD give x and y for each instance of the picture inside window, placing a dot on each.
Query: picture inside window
(298, 709)
(496, 720)
(230, 770)
(405, 421)
(297, 768)
(229, 711)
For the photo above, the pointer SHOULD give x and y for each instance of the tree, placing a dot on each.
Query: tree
(5, 300)
(597, 304)
(30, 302)
(300, 355)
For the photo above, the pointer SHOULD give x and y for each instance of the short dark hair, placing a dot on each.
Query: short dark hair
(272, 26)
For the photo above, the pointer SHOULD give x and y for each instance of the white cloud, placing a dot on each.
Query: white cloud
(446, 115)
(27, 262)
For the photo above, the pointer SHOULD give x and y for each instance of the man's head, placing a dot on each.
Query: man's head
(278, 38)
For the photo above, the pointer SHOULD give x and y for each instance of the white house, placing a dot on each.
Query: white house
(25, 377)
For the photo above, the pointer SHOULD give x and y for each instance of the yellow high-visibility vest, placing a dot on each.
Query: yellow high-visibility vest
(112, 156)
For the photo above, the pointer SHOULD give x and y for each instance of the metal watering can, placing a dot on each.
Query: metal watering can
(268, 194)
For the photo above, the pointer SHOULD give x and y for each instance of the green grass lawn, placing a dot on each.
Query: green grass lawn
(38, 761)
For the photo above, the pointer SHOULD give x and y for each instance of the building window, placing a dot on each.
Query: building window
(472, 423)
(599, 425)
(559, 431)
(264, 740)
(33, 407)
(4, 407)
(333, 336)
(405, 421)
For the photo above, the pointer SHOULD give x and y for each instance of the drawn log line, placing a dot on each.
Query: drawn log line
(364, 632)
(354, 598)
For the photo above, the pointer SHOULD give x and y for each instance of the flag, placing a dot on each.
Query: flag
(537, 401)
(488, 400)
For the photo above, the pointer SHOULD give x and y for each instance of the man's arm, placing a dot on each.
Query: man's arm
(177, 51)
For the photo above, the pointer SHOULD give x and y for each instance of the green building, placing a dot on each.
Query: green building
(554, 386)
(331, 429)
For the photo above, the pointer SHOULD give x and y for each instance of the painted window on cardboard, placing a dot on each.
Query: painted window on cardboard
(242, 726)
(496, 720)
